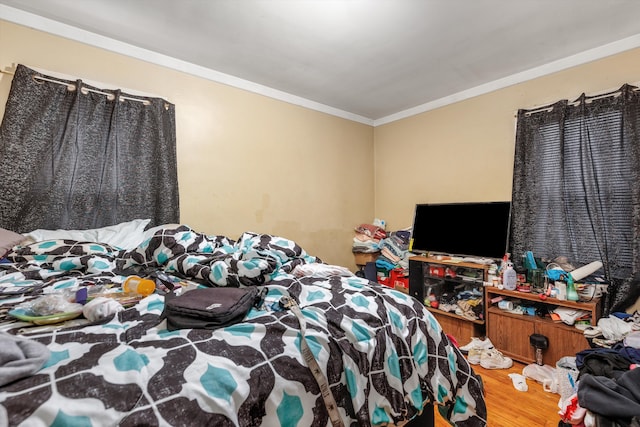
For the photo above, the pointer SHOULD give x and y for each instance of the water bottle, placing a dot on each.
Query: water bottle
(509, 277)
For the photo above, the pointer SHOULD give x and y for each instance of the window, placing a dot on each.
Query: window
(74, 156)
(576, 182)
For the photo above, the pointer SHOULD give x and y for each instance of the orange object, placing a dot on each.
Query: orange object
(138, 285)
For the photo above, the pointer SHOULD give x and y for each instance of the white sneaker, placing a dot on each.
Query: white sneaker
(493, 359)
(485, 344)
(474, 355)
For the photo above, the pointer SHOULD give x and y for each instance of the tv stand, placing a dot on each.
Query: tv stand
(510, 332)
(438, 279)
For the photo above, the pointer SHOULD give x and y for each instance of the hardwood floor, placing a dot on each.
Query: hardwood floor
(508, 407)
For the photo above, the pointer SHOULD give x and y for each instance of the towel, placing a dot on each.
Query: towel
(20, 357)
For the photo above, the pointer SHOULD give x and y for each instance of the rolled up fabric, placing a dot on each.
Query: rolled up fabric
(20, 357)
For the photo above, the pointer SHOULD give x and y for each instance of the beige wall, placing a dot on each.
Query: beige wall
(464, 151)
(248, 162)
(245, 162)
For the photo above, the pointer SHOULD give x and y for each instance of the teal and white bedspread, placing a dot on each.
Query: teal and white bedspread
(384, 355)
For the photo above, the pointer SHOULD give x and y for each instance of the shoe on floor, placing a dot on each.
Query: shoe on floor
(484, 344)
(592, 332)
(494, 359)
(474, 355)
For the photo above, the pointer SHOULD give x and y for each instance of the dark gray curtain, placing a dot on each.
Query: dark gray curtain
(576, 186)
(74, 158)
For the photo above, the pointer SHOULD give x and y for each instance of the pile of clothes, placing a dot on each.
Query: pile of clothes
(467, 303)
(608, 386)
(394, 251)
(367, 238)
(391, 248)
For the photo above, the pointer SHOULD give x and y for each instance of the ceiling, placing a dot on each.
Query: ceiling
(372, 61)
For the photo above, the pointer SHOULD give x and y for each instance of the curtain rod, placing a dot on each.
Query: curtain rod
(589, 99)
(72, 86)
(549, 108)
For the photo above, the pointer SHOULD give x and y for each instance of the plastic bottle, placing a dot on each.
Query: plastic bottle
(138, 285)
(510, 277)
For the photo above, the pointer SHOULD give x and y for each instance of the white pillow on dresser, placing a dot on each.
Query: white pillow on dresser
(126, 235)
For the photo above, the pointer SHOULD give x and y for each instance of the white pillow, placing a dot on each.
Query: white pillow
(8, 239)
(126, 235)
(152, 231)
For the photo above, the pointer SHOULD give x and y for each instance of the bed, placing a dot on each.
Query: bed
(385, 358)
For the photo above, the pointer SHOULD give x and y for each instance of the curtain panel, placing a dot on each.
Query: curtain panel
(74, 156)
(576, 186)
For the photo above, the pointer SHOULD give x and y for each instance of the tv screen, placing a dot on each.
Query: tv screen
(462, 229)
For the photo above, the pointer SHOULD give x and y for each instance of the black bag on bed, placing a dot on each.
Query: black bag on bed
(210, 308)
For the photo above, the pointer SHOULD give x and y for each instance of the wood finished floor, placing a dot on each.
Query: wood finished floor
(508, 407)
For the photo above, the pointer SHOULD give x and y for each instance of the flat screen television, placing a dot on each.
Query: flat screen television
(471, 229)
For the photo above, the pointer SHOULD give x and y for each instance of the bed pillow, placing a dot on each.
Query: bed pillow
(8, 239)
(149, 233)
(126, 235)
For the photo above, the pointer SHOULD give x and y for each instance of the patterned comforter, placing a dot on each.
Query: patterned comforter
(385, 357)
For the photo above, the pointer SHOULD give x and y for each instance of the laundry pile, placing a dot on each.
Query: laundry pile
(367, 238)
(394, 250)
(608, 385)
(466, 303)
(388, 250)
(613, 329)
